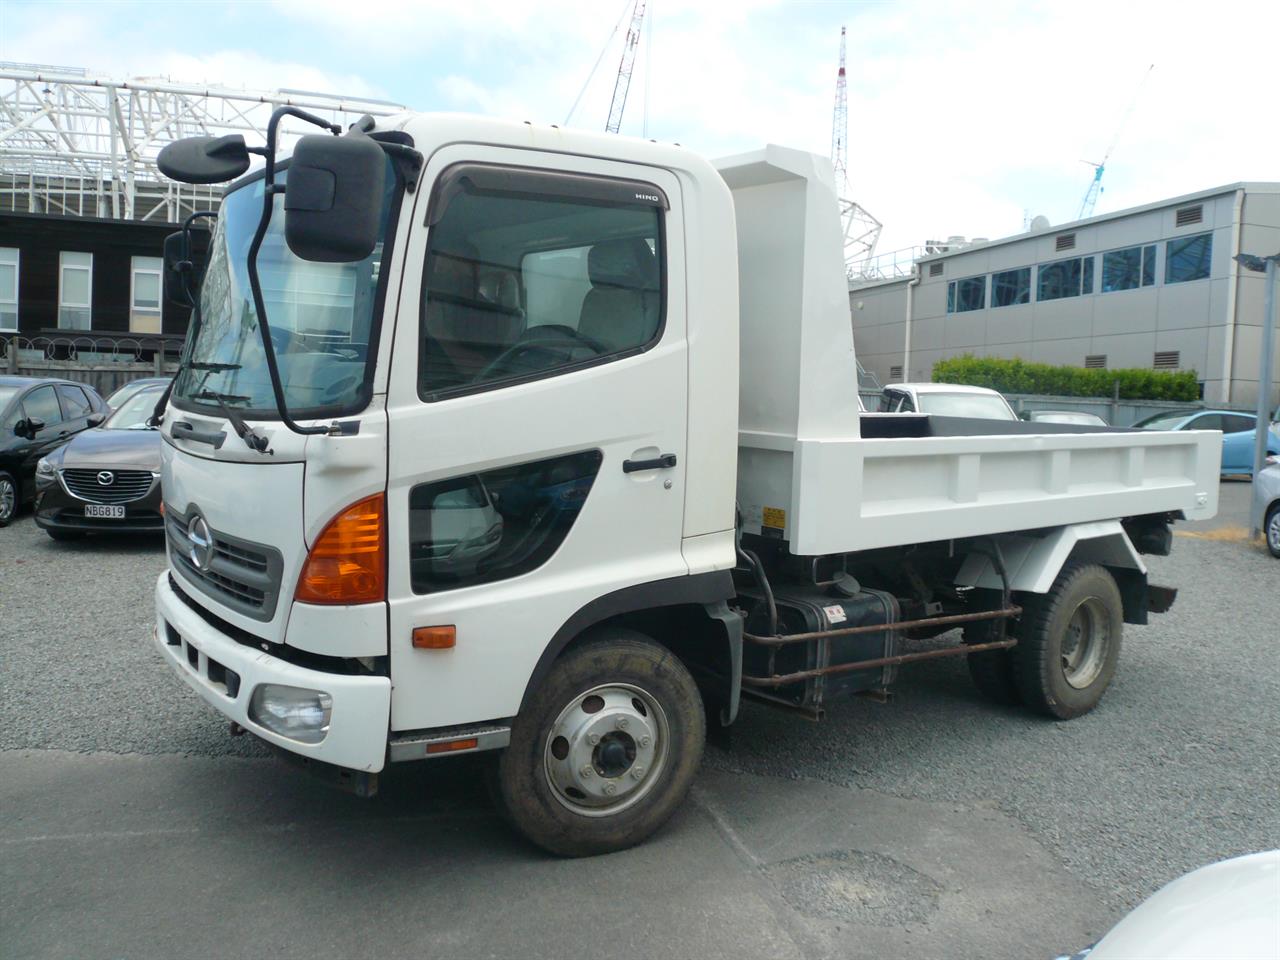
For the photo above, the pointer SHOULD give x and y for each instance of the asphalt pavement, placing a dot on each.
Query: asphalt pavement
(936, 825)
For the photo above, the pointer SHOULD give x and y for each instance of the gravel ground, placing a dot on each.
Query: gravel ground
(1176, 768)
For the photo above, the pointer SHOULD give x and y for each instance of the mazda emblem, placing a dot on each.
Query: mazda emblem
(201, 543)
(106, 478)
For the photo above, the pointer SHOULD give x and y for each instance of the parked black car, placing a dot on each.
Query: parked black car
(107, 479)
(36, 417)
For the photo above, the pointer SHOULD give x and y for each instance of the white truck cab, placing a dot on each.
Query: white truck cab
(492, 436)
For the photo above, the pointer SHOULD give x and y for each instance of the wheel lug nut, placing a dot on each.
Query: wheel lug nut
(593, 738)
(610, 789)
(643, 741)
(637, 773)
(588, 770)
(623, 723)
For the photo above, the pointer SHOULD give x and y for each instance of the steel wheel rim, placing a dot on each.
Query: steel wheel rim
(1273, 530)
(1085, 643)
(8, 497)
(606, 749)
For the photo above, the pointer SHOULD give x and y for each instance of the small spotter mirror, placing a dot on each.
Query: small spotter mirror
(177, 268)
(333, 198)
(204, 159)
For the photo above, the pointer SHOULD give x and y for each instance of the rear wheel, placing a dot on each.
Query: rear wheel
(1069, 642)
(8, 498)
(1272, 529)
(606, 749)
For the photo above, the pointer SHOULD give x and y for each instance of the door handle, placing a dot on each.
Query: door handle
(657, 463)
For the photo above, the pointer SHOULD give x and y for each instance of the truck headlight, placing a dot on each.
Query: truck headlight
(293, 712)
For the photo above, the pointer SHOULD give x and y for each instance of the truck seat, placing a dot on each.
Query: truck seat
(621, 308)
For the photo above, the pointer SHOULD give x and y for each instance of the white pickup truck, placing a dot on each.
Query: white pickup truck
(495, 436)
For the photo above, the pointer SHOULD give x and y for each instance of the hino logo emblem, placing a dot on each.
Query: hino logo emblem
(201, 543)
(648, 196)
(106, 478)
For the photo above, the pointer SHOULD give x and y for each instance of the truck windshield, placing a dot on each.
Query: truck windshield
(321, 316)
(979, 405)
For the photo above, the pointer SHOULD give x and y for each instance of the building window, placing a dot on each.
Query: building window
(8, 288)
(144, 315)
(1010, 287)
(967, 294)
(75, 286)
(1129, 269)
(1061, 279)
(1187, 258)
(1086, 282)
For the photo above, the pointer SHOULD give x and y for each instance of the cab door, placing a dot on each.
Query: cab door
(537, 415)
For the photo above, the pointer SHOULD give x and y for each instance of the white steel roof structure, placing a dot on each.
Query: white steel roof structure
(76, 144)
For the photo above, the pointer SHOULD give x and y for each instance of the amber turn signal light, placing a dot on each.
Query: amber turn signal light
(435, 638)
(348, 563)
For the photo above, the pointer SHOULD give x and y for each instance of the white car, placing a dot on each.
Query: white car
(1225, 911)
(946, 400)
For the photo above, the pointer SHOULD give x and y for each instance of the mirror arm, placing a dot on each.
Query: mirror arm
(407, 160)
(193, 329)
(270, 189)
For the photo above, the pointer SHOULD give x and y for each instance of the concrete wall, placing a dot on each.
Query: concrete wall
(1127, 326)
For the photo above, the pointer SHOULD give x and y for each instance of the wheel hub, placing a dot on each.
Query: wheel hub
(605, 749)
(1085, 643)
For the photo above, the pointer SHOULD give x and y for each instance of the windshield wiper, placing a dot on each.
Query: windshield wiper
(214, 367)
(253, 440)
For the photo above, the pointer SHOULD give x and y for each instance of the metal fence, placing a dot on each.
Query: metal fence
(103, 361)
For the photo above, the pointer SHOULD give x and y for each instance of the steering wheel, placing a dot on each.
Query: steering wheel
(549, 337)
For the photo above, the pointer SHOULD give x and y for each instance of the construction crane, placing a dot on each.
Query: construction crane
(861, 229)
(623, 83)
(1095, 185)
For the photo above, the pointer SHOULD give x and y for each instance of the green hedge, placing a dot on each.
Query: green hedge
(1018, 376)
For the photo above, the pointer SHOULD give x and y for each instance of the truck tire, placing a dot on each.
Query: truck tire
(992, 670)
(606, 749)
(1069, 642)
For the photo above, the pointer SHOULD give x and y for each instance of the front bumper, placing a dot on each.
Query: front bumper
(225, 673)
(58, 509)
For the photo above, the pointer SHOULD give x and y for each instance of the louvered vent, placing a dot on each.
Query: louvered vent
(1167, 360)
(935, 269)
(1096, 361)
(1189, 215)
(895, 373)
(1065, 241)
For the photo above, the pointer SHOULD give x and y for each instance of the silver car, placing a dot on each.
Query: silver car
(1266, 503)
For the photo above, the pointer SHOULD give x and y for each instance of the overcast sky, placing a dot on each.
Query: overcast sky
(963, 117)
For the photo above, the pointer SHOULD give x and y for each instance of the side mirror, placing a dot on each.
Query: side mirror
(29, 427)
(333, 198)
(204, 159)
(96, 419)
(177, 270)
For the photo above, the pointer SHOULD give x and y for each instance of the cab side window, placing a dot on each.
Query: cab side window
(531, 275)
(42, 404)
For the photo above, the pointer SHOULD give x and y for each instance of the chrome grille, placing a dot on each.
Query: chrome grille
(121, 486)
(242, 575)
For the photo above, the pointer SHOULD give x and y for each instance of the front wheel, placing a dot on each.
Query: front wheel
(1272, 529)
(606, 749)
(1069, 642)
(8, 498)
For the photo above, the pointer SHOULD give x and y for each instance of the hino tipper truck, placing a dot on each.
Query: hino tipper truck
(502, 437)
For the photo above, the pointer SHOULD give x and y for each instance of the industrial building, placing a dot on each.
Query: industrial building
(1155, 286)
(83, 208)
